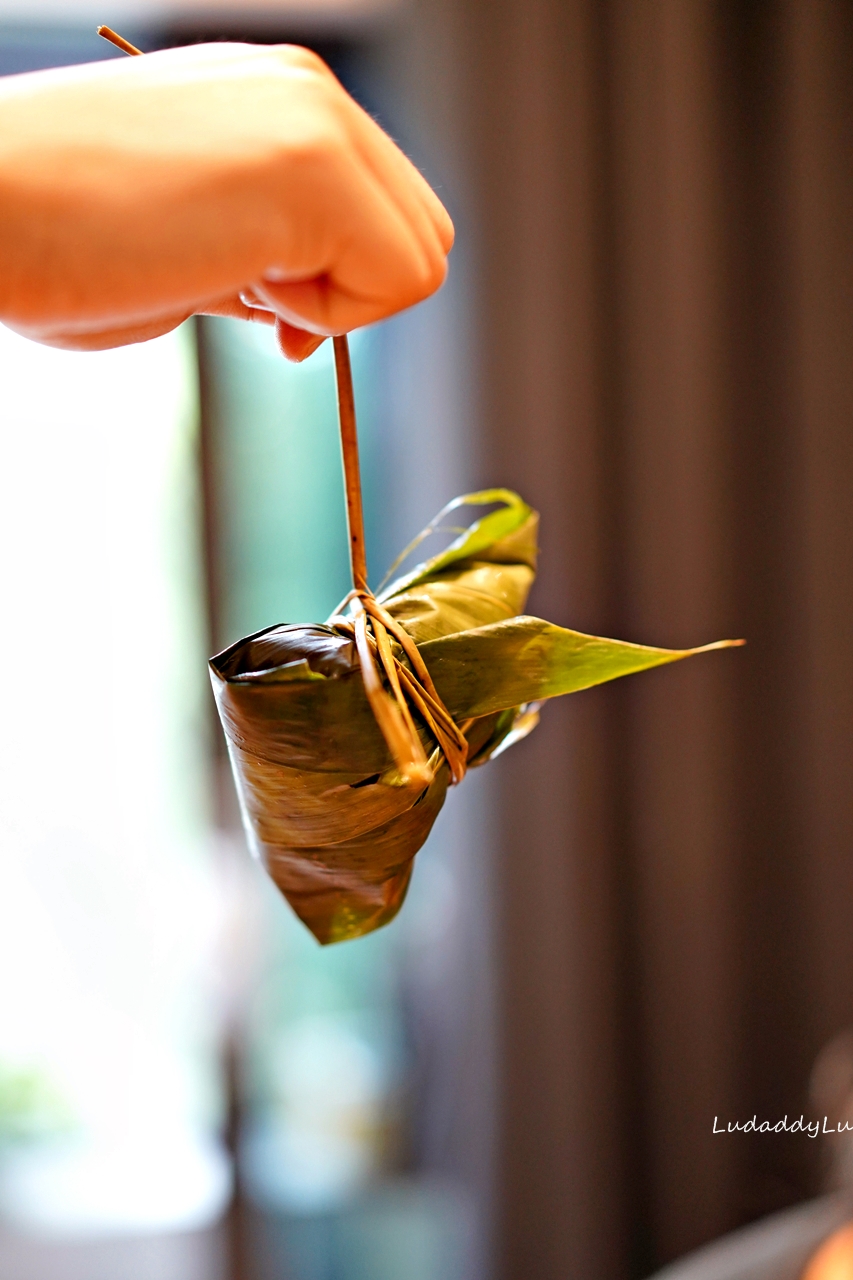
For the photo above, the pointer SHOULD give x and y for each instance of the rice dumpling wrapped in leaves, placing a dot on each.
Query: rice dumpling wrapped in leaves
(327, 806)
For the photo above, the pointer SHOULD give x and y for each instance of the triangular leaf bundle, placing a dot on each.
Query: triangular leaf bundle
(324, 806)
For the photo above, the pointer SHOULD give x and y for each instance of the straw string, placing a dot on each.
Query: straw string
(107, 33)
(372, 628)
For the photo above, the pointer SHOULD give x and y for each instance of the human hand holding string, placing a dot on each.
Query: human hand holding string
(224, 179)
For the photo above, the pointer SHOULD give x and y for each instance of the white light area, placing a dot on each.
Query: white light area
(322, 1145)
(154, 11)
(108, 905)
(106, 1190)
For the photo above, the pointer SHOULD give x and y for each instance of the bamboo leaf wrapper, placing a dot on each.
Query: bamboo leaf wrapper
(324, 804)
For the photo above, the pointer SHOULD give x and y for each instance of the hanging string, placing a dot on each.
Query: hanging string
(372, 625)
(107, 33)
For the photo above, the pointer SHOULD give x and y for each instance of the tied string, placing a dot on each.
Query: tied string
(371, 627)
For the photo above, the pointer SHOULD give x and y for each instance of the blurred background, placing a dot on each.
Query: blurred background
(634, 922)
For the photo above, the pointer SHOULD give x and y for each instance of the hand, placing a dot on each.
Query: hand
(224, 179)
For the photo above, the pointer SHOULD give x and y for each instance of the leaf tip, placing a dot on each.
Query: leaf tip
(722, 644)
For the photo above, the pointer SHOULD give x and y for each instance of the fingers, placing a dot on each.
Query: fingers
(237, 308)
(378, 259)
(296, 344)
(324, 307)
(388, 236)
(381, 154)
(384, 233)
(404, 183)
(390, 165)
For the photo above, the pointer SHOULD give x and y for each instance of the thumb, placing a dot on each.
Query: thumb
(296, 344)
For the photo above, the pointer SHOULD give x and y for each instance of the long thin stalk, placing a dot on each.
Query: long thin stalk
(393, 715)
(107, 33)
(352, 474)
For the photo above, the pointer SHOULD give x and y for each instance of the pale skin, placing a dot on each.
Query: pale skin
(222, 179)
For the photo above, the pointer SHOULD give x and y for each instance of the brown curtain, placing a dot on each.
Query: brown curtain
(655, 200)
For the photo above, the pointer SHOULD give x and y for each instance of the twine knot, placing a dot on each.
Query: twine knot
(371, 627)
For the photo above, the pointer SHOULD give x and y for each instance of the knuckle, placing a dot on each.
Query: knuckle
(433, 274)
(296, 56)
(316, 149)
(447, 233)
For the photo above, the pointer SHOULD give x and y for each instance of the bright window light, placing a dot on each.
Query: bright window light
(109, 1097)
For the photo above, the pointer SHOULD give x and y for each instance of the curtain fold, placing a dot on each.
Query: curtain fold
(658, 197)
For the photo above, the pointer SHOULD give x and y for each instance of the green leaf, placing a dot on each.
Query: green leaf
(482, 536)
(527, 660)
